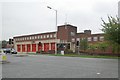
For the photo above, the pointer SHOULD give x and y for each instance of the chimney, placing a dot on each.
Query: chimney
(87, 32)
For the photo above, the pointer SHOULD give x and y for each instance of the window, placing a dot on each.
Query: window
(35, 37)
(41, 37)
(101, 38)
(51, 36)
(44, 36)
(48, 36)
(95, 38)
(30, 38)
(27, 38)
(38, 37)
(72, 33)
(89, 39)
(78, 39)
(73, 39)
(54, 35)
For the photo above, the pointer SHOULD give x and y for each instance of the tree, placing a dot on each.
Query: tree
(102, 46)
(4, 44)
(112, 31)
(0, 44)
(84, 44)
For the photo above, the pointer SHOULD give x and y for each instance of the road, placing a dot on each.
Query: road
(43, 66)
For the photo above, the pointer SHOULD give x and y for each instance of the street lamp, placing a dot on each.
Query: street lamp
(56, 27)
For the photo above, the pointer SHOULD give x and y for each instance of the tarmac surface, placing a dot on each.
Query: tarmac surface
(43, 66)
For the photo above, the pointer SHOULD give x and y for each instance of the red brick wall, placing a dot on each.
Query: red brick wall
(64, 32)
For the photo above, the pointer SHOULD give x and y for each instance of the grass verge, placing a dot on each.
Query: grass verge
(77, 55)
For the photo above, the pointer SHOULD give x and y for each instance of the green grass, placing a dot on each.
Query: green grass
(76, 55)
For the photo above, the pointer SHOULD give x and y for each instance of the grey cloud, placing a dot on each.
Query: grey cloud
(33, 17)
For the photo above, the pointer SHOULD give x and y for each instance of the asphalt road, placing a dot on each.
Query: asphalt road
(42, 66)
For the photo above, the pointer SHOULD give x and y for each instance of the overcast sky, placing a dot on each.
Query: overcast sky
(32, 16)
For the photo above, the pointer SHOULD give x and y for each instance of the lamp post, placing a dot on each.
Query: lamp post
(56, 28)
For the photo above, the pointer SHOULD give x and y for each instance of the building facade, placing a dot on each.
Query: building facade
(66, 37)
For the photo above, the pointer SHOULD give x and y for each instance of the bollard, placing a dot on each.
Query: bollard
(4, 57)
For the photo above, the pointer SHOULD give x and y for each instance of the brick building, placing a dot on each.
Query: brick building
(66, 37)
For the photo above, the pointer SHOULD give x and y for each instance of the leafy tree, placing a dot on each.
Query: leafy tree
(93, 47)
(0, 44)
(84, 44)
(112, 31)
(4, 44)
(103, 46)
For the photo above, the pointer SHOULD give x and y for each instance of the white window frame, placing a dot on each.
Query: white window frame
(51, 35)
(44, 36)
(48, 36)
(73, 39)
(38, 37)
(41, 36)
(54, 35)
(35, 37)
(30, 37)
(95, 38)
(89, 38)
(78, 39)
(101, 38)
(72, 33)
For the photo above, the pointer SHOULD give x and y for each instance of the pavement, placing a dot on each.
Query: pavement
(43, 66)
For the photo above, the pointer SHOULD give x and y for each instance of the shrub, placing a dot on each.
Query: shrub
(68, 51)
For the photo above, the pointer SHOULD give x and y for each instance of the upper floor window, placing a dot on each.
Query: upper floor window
(44, 36)
(27, 38)
(48, 36)
(78, 39)
(101, 38)
(38, 37)
(72, 33)
(95, 38)
(51, 36)
(89, 39)
(30, 38)
(73, 39)
(35, 37)
(41, 36)
(54, 35)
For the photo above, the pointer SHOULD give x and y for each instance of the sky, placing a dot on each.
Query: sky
(21, 17)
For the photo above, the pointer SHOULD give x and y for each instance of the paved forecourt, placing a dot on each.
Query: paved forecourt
(43, 66)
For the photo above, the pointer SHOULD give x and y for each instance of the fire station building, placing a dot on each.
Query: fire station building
(65, 35)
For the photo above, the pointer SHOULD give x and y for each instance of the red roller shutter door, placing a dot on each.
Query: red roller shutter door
(52, 46)
(23, 48)
(46, 47)
(33, 47)
(18, 48)
(28, 48)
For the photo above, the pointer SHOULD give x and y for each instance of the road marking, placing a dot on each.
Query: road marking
(98, 73)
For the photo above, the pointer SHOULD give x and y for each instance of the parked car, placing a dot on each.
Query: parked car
(13, 51)
(10, 50)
